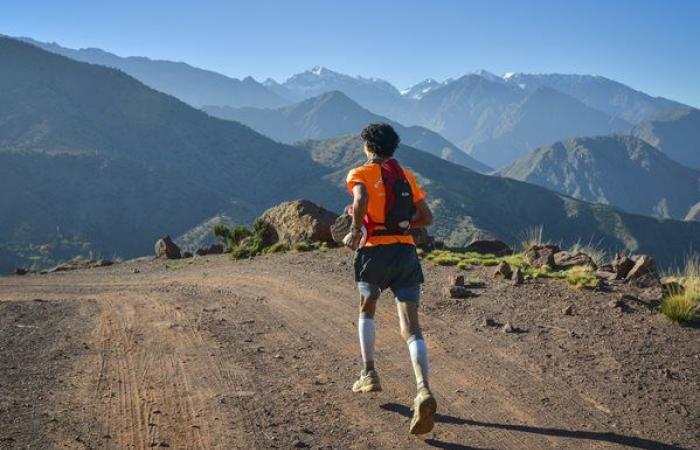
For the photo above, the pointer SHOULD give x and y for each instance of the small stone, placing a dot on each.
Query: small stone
(617, 303)
(457, 292)
(508, 328)
(136, 271)
(517, 278)
(503, 270)
(456, 280)
(278, 356)
(488, 322)
(568, 311)
(20, 271)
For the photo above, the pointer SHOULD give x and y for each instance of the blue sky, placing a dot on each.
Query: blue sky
(653, 46)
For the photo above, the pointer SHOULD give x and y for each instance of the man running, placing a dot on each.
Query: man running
(387, 203)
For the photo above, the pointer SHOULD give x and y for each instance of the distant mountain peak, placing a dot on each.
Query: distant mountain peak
(488, 75)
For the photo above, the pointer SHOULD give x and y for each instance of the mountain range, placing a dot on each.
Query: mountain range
(334, 114)
(496, 119)
(192, 85)
(93, 160)
(623, 171)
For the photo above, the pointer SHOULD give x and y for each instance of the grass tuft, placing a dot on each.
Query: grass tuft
(581, 277)
(685, 306)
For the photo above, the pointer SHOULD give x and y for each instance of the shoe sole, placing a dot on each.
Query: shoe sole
(370, 388)
(425, 421)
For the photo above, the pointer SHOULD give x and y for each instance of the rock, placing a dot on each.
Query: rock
(214, 249)
(486, 247)
(606, 275)
(508, 328)
(644, 273)
(541, 255)
(617, 303)
(517, 278)
(457, 292)
(21, 271)
(456, 280)
(187, 255)
(503, 270)
(299, 221)
(566, 260)
(568, 310)
(622, 265)
(488, 322)
(166, 248)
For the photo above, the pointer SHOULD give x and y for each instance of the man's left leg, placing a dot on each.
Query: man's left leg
(424, 405)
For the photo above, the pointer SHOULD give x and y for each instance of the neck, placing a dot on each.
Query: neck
(375, 158)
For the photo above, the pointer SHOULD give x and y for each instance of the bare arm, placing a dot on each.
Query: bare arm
(359, 204)
(423, 217)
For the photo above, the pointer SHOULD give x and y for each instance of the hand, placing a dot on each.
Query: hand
(352, 239)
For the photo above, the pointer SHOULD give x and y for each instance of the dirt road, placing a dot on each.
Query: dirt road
(207, 353)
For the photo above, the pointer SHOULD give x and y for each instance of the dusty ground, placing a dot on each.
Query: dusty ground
(207, 353)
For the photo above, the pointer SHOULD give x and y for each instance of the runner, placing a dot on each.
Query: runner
(387, 203)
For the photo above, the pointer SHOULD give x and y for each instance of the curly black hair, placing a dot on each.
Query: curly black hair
(381, 139)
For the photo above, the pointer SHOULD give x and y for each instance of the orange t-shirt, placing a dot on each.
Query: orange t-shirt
(371, 176)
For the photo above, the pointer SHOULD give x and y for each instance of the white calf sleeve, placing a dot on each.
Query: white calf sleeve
(419, 359)
(366, 329)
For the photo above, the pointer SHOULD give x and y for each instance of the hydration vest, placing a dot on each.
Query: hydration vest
(399, 208)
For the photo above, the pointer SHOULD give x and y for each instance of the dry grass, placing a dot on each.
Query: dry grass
(685, 306)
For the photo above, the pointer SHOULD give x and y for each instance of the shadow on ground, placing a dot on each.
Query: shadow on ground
(630, 441)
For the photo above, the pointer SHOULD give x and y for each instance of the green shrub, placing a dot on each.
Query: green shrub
(303, 246)
(446, 260)
(489, 262)
(681, 308)
(685, 306)
(277, 247)
(581, 277)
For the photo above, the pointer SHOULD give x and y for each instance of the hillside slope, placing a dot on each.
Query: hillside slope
(676, 133)
(544, 116)
(90, 153)
(333, 114)
(622, 171)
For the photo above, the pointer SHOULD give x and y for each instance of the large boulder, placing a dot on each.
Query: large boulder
(300, 220)
(486, 247)
(566, 260)
(166, 248)
(541, 255)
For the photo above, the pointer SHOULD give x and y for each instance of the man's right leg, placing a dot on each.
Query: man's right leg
(369, 380)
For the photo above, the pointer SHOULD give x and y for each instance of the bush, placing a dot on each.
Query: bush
(681, 308)
(446, 260)
(685, 306)
(277, 247)
(303, 246)
(581, 277)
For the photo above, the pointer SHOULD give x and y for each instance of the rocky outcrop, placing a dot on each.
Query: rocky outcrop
(166, 248)
(300, 220)
(566, 260)
(541, 255)
(492, 247)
